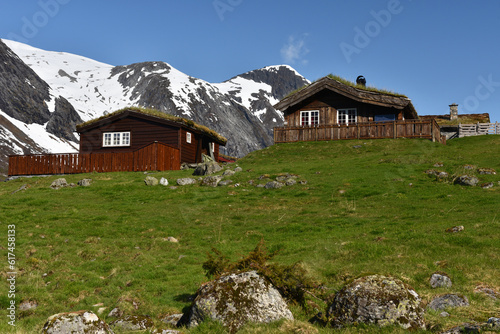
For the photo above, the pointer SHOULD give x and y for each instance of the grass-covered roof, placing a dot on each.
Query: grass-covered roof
(159, 114)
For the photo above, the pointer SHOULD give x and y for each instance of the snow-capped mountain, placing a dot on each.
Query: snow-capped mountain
(44, 94)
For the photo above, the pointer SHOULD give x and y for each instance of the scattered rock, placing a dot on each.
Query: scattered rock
(165, 331)
(115, 313)
(228, 172)
(440, 280)
(59, 183)
(211, 181)
(151, 181)
(357, 146)
(85, 182)
(225, 183)
(487, 185)
(75, 322)
(28, 305)
(442, 175)
(290, 182)
(467, 180)
(172, 319)
(455, 229)
(438, 164)
(236, 299)
(431, 172)
(238, 169)
(133, 323)
(273, 185)
(489, 171)
(22, 188)
(164, 182)
(207, 168)
(377, 299)
(444, 314)
(490, 292)
(172, 188)
(493, 323)
(449, 300)
(172, 239)
(101, 310)
(462, 329)
(185, 181)
(470, 167)
(303, 182)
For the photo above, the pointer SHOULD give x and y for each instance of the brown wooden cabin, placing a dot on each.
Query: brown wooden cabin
(131, 129)
(328, 102)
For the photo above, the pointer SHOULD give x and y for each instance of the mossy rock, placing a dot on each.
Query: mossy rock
(237, 299)
(379, 300)
(80, 322)
(133, 323)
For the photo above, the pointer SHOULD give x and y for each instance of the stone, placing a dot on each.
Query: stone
(28, 305)
(455, 229)
(467, 180)
(101, 310)
(186, 181)
(238, 169)
(490, 292)
(377, 299)
(273, 185)
(236, 299)
(224, 183)
(75, 322)
(290, 182)
(165, 331)
(464, 328)
(85, 182)
(449, 300)
(115, 313)
(172, 239)
(440, 280)
(172, 319)
(493, 323)
(470, 167)
(438, 164)
(59, 183)
(211, 181)
(442, 175)
(133, 323)
(444, 314)
(164, 182)
(487, 185)
(489, 171)
(207, 168)
(151, 181)
(228, 172)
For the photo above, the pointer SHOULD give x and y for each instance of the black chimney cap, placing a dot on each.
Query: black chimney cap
(360, 80)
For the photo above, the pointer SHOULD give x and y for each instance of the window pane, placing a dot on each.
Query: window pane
(107, 139)
(116, 139)
(314, 117)
(126, 138)
(304, 118)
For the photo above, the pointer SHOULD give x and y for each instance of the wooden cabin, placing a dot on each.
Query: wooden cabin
(131, 129)
(131, 139)
(331, 108)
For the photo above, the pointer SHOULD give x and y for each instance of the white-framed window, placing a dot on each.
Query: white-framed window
(309, 118)
(112, 139)
(347, 116)
(188, 137)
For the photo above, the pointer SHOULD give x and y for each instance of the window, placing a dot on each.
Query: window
(347, 116)
(385, 118)
(188, 137)
(309, 118)
(111, 139)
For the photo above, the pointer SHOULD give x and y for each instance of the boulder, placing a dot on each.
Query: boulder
(211, 181)
(290, 182)
(440, 303)
(236, 299)
(462, 329)
(238, 169)
(133, 323)
(225, 183)
(493, 323)
(440, 280)
(273, 185)
(487, 185)
(489, 171)
(377, 299)
(185, 181)
(172, 319)
(228, 172)
(207, 168)
(85, 182)
(164, 181)
(59, 183)
(467, 180)
(75, 322)
(115, 313)
(151, 181)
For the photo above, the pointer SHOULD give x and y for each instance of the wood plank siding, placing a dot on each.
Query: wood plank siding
(156, 156)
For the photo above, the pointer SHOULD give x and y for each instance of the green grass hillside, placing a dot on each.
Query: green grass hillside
(367, 207)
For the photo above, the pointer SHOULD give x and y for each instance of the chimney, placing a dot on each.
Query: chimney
(360, 80)
(453, 111)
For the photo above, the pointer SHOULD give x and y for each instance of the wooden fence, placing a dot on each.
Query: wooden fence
(156, 156)
(428, 129)
(479, 129)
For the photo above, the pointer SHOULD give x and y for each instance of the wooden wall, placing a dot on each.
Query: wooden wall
(328, 103)
(142, 132)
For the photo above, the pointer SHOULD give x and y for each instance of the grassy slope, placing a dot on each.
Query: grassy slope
(105, 243)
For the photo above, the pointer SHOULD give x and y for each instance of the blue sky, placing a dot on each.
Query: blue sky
(435, 52)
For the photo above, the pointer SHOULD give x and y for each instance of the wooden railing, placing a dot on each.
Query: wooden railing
(479, 129)
(156, 156)
(428, 129)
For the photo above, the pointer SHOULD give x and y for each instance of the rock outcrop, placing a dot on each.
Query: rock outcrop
(81, 322)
